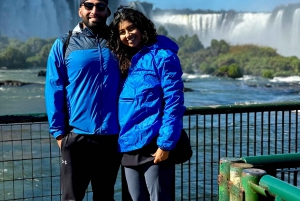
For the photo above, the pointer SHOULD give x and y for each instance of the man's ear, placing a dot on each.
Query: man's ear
(79, 12)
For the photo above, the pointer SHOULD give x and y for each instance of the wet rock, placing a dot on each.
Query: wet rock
(41, 73)
(13, 83)
(187, 89)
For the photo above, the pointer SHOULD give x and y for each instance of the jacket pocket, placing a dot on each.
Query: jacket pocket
(126, 109)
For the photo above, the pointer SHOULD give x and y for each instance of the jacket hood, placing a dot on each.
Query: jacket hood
(164, 42)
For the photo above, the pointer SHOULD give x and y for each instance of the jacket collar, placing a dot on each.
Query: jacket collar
(87, 31)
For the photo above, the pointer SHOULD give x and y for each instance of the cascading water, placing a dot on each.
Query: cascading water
(295, 40)
(23, 19)
(279, 29)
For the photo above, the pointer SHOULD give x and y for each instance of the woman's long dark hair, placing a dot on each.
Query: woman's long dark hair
(122, 51)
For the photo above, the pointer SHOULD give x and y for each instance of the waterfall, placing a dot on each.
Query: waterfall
(23, 19)
(279, 29)
(296, 28)
(39, 18)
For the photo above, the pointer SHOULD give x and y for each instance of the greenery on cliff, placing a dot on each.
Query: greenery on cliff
(15, 54)
(220, 58)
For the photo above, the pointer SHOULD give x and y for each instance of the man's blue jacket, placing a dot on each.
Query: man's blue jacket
(82, 87)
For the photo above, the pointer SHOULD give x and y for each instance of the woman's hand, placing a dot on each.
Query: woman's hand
(160, 155)
(59, 139)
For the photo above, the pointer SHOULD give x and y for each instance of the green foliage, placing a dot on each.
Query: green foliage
(218, 47)
(234, 71)
(219, 58)
(268, 74)
(15, 54)
(205, 68)
(4, 42)
(12, 58)
(192, 44)
(162, 31)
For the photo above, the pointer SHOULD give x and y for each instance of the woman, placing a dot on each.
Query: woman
(150, 104)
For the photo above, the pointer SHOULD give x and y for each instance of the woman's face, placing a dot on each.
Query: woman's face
(130, 35)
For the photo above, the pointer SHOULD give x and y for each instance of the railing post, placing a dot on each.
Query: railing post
(236, 192)
(249, 177)
(224, 176)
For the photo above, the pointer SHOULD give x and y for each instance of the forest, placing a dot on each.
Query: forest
(219, 59)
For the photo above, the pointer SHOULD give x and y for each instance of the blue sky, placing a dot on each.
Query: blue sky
(238, 5)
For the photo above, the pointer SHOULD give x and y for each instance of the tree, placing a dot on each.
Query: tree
(234, 71)
(12, 58)
(32, 46)
(193, 44)
(162, 31)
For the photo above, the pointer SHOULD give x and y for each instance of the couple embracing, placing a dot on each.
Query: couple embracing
(114, 95)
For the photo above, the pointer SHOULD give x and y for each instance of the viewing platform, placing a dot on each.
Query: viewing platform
(230, 142)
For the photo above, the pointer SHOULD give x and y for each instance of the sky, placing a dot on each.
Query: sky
(237, 5)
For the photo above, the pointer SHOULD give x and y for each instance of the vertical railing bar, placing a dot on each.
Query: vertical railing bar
(41, 150)
(22, 160)
(212, 153)
(262, 134)
(269, 132)
(295, 182)
(255, 135)
(181, 180)
(219, 141)
(204, 153)
(233, 134)
(13, 161)
(226, 133)
(1, 134)
(51, 173)
(282, 135)
(219, 135)
(189, 167)
(296, 131)
(290, 140)
(296, 145)
(282, 131)
(31, 154)
(241, 134)
(276, 131)
(197, 157)
(290, 130)
(248, 133)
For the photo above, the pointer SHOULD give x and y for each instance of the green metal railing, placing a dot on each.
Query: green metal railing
(30, 158)
(253, 178)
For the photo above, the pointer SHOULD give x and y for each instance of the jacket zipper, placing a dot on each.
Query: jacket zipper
(101, 77)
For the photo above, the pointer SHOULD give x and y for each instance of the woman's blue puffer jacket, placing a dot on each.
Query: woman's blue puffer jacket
(151, 103)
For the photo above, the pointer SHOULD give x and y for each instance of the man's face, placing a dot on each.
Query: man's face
(93, 13)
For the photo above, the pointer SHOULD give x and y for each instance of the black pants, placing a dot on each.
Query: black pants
(89, 158)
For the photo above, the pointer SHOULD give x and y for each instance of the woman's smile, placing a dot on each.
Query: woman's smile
(130, 35)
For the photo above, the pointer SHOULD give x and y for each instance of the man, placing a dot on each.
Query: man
(81, 95)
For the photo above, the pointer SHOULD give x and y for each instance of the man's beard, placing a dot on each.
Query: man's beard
(95, 26)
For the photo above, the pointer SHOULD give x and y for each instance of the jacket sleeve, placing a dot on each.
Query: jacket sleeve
(170, 72)
(55, 95)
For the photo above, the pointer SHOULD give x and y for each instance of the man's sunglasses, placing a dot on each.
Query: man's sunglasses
(90, 6)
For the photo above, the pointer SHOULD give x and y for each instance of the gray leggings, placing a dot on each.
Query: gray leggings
(150, 182)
